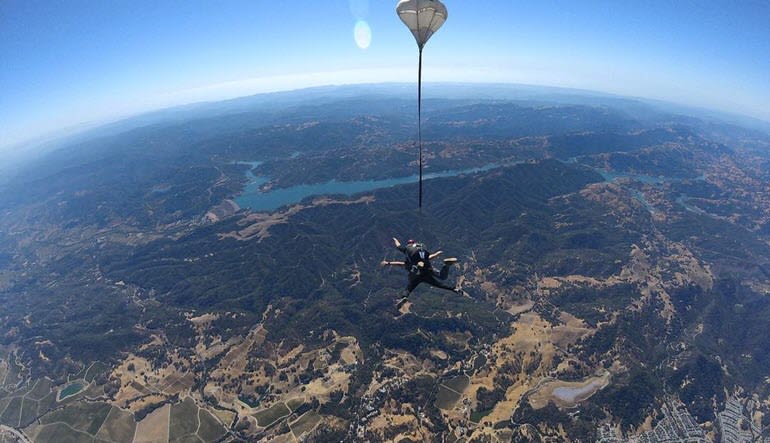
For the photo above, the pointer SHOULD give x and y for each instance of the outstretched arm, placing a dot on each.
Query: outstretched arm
(435, 254)
(391, 263)
(398, 244)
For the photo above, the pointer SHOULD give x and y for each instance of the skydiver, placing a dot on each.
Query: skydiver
(417, 263)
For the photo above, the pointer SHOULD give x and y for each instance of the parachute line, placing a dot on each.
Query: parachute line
(419, 120)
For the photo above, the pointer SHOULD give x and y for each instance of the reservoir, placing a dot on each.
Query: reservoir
(576, 393)
(256, 200)
(568, 394)
(70, 390)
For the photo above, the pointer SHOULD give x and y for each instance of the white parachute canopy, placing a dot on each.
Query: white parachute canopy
(422, 17)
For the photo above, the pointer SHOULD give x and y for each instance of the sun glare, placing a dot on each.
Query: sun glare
(362, 34)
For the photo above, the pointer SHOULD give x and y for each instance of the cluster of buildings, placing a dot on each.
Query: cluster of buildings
(736, 427)
(370, 408)
(11, 435)
(678, 426)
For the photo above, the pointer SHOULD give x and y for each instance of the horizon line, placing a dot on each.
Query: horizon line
(83, 127)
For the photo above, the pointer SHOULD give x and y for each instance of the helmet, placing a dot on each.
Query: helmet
(410, 242)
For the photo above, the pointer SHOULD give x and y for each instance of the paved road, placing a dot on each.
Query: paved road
(23, 438)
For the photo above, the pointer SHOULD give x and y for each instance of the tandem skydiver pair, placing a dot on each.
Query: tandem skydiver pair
(417, 264)
(423, 18)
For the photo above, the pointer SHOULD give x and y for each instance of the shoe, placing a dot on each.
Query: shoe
(450, 261)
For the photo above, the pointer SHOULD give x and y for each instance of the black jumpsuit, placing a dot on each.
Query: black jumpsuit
(416, 253)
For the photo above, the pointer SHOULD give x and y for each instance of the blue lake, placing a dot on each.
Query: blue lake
(256, 200)
(71, 390)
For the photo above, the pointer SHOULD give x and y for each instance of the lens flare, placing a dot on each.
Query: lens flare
(362, 34)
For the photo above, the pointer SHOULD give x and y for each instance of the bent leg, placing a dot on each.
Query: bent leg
(414, 280)
(444, 272)
(431, 280)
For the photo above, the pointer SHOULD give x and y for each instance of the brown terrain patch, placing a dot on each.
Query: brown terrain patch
(258, 225)
(154, 427)
(144, 385)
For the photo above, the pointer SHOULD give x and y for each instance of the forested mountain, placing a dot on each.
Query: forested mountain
(614, 258)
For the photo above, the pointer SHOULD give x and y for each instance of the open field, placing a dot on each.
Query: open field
(190, 438)
(86, 417)
(306, 423)
(21, 407)
(479, 415)
(48, 402)
(225, 417)
(457, 384)
(61, 433)
(268, 416)
(12, 412)
(179, 384)
(294, 403)
(29, 411)
(79, 422)
(96, 369)
(4, 404)
(154, 427)
(100, 422)
(118, 427)
(446, 398)
(183, 419)
(41, 389)
(210, 429)
(450, 391)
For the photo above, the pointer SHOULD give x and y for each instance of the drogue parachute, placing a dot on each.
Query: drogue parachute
(423, 18)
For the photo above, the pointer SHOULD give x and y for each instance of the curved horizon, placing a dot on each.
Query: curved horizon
(82, 63)
(85, 126)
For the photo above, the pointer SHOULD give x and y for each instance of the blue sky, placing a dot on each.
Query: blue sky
(70, 62)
